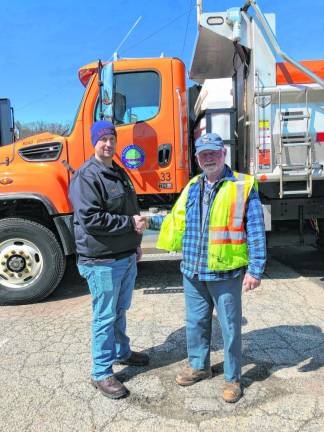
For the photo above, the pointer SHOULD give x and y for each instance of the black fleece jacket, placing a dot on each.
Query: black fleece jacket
(104, 202)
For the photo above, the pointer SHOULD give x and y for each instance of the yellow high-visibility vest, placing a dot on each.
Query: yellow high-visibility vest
(227, 247)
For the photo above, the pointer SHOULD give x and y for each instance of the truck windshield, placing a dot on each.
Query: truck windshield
(136, 97)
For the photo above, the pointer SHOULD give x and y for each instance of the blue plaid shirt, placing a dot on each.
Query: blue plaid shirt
(195, 239)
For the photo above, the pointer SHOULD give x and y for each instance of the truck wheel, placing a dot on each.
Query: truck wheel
(32, 262)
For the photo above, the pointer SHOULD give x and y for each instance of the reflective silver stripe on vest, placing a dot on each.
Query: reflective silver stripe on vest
(239, 205)
(227, 235)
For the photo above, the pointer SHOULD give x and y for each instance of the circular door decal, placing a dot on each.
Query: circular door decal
(133, 156)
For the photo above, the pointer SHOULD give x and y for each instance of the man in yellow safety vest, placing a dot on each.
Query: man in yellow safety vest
(218, 224)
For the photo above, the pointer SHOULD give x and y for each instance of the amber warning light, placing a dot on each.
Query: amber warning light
(6, 180)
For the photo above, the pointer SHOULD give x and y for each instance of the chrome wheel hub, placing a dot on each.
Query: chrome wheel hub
(21, 263)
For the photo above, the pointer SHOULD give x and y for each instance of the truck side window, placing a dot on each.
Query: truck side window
(137, 97)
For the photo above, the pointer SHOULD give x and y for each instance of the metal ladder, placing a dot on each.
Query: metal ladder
(298, 140)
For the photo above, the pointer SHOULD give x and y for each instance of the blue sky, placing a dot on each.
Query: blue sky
(47, 41)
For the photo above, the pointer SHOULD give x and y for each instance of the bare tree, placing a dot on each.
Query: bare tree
(27, 129)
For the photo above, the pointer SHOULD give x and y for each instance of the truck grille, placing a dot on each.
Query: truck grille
(41, 152)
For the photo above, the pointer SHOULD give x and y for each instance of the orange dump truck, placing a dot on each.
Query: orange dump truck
(35, 213)
(268, 114)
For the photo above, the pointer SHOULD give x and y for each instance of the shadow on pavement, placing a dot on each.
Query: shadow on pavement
(151, 274)
(267, 350)
(158, 274)
(280, 347)
(72, 284)
(306, 260)
(172, 350)
(161, 275)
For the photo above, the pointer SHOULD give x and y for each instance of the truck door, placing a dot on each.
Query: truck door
(139, 127)
(144, 119)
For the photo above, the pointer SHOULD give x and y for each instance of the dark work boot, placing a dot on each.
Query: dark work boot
(110, 387)
(135, 359)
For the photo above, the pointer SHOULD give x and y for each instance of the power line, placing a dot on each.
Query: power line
(157, 31)
(186, 32)
(44, 96)
(188, 12)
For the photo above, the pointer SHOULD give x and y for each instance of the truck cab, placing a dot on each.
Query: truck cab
(150, 114)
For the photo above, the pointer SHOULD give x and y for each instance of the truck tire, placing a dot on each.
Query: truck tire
(32, 262)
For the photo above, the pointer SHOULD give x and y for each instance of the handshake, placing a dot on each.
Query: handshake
(152, 222)
(140, 223)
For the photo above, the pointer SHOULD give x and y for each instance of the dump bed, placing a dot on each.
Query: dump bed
(274, 128)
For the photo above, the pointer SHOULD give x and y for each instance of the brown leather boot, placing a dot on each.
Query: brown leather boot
(135, 359)
(232, 391)
(189, 376)
(110, 387)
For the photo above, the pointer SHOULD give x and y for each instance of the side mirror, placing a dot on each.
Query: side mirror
(6, 123)
(119, 108)
(106, 87)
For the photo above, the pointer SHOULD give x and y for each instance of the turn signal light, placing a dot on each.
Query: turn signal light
(263, 178)
(6, 181)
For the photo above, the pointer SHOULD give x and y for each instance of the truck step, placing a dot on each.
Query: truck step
(297, 192)
(167, 256)
(292, 167)
(295, 144)
(299, 173)
(285, 117)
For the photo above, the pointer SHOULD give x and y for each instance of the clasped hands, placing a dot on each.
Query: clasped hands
(140, 223)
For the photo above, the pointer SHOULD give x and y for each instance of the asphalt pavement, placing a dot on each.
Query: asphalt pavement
(45, 357)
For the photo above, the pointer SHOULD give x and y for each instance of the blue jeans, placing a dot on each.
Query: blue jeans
(201, 298)
(111, 286)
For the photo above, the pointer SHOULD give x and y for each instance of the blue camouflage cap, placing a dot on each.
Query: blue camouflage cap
(208, 141)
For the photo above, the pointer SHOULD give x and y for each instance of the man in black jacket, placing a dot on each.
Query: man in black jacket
(108, 232)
